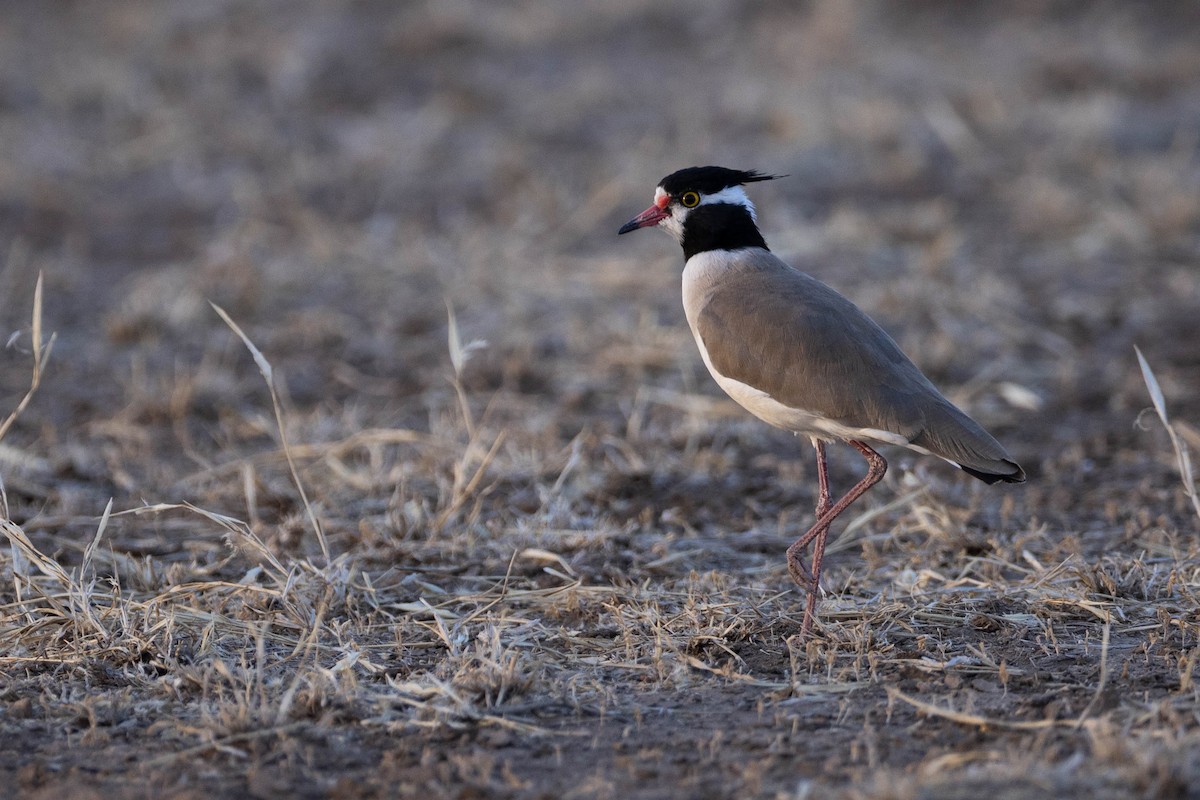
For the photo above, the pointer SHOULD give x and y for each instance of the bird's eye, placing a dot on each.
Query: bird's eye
(689, 199)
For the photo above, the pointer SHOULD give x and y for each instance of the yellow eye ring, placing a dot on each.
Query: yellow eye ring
(689, 199)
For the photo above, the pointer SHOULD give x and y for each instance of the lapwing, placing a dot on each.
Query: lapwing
(800, 356)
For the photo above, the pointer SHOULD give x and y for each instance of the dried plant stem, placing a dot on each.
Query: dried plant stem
(975, 720)
(463, 487)
(462, 491)
(41, 355)
(1102, 683)
(268, 374)
(1182, 457)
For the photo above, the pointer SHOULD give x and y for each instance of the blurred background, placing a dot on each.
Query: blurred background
(1011, 189)
(496, 407)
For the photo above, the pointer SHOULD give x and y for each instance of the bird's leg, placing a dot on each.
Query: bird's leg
(823, 501)
(876, 467)
(823, 498)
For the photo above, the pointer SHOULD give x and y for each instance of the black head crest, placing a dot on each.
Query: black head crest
(710, 180)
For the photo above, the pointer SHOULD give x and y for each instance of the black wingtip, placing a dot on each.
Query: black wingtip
(1018, 476)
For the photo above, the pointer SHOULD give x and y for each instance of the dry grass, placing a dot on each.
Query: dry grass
(440, 502)
(1183, 456)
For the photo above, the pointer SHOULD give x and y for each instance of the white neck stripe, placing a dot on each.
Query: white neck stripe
(733, 195)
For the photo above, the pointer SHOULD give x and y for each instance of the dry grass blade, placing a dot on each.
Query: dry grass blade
(461, 492)
(846, 540)
(459, 355)
(41, 355)
(45, 565)
(85, 583)
(90, 551)
(463, 487)
(328, 450)
(975, 720)
(240, 534)
(309, 646)
(1182, 457)
(76, 593)
(1102, 683)
(218, 744)
(264, 367)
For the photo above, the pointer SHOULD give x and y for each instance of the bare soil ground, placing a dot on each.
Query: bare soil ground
(525, 548)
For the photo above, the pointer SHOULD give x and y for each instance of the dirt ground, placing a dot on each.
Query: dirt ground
(495, 532)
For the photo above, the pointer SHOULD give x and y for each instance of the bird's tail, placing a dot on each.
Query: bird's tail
(954, 436)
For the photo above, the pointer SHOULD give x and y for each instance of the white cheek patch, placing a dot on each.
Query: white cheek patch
(674, 223)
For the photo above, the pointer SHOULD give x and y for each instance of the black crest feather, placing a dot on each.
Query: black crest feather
(710, 180)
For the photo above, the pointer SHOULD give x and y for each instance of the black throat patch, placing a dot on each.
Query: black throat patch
(720, 226)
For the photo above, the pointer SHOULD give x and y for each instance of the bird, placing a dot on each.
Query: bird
(798, 355)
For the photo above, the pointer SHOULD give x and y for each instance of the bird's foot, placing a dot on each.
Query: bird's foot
(798, 570)
(810, 584)
(807, 579)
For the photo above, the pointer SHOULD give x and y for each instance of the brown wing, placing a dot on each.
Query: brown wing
(788, 334)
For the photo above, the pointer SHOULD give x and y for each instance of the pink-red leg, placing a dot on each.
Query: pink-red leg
(824, 498)
(823, 501)
(811, 581)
